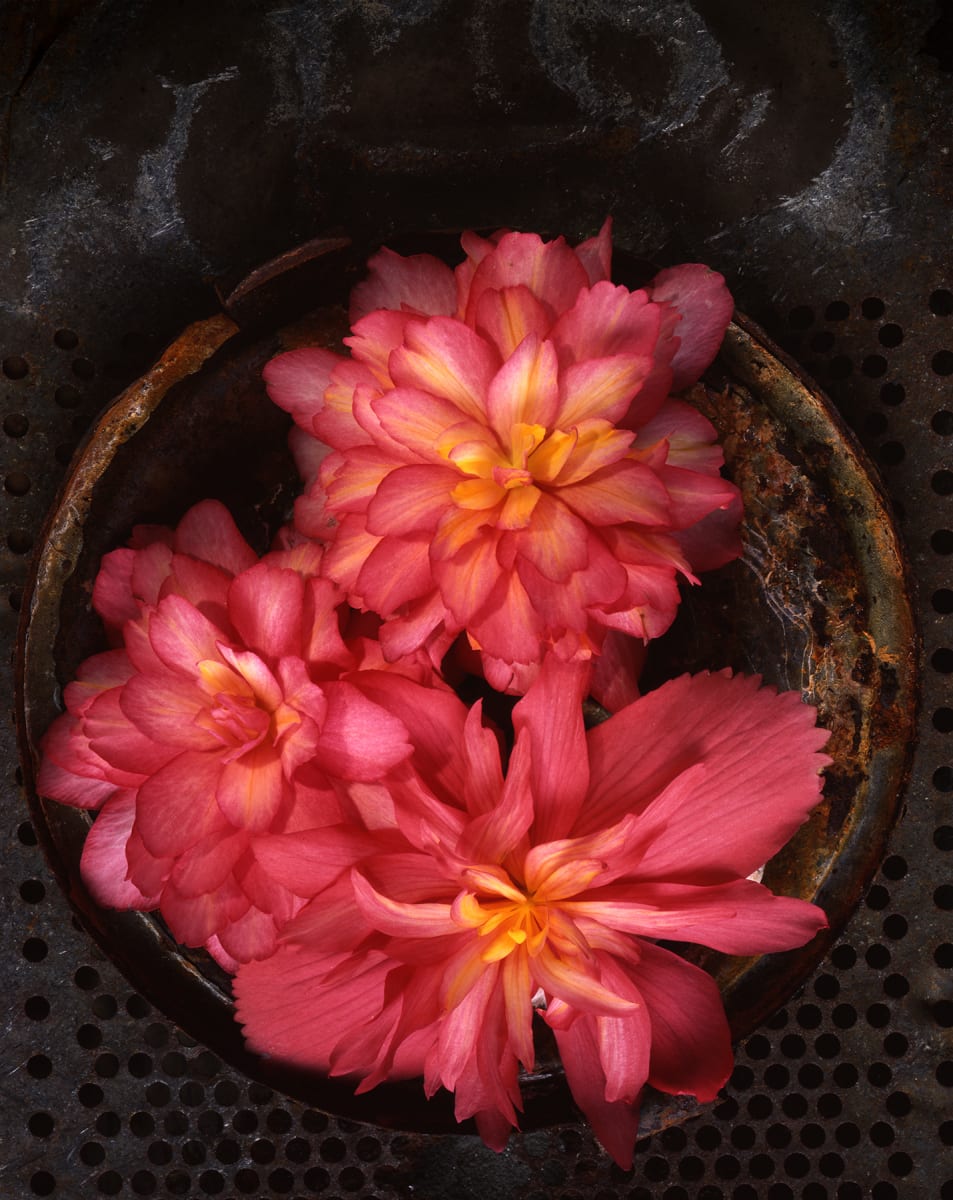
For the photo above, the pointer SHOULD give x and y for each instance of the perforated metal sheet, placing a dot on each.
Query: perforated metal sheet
(152, 149)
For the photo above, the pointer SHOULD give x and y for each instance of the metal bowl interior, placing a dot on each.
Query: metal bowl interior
(818, 602)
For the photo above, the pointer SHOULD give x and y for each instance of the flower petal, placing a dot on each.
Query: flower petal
(104, 866)
(176, 805)
(208, 532)
(448, 359)
(419, 283)
(699, 294)
(265, 604)
(525, 390)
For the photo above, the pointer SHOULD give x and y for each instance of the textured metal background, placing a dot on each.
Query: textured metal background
(154, 152)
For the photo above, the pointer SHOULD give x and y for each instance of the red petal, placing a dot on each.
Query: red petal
(411, 499)
(206, 865)
(607, 320)
(296, 382)
(113, 598)
(508, 315)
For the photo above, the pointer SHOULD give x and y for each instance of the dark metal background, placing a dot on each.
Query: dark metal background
(153, 152)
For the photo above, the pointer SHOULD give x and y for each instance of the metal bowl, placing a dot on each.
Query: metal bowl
(819, 602)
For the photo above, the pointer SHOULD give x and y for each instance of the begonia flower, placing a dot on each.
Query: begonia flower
(231, 710)
(545, 889)
(505, 458)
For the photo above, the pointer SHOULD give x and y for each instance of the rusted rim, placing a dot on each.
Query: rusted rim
(751, 385)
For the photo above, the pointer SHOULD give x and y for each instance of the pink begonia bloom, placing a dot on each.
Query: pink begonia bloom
(231, 710)
(505, 458)
(547, 888)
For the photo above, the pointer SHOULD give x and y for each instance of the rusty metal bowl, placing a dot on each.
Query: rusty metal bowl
(818, 602)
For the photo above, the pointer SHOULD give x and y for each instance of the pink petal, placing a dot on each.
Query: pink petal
(420, 283)
(420, 421)
(251, 788)
(160, 709)
(360, 740)
(550, 716)
(253, 936)
(352, 481)
(206, 865)
(150, 571)
(448, 359)
(467, 579)
(759, 756)
(181, 636)
(336, 423)
(411, 500)
(616, 671)
(595, 254)
(396, 572)
(740, 917)
(508, 626)
(615, 1123)
(600, 387)
(691, 1045)
(297, 381)
(694, 495)
(525, 389)
(606, 320)
(556, 542)
(176, 806)
(194, 919)
(309, 860)
(373, 339)
(113, 598)
(705, 304)
(550, 270)
(265, 606)
(398, 919)
(208, 532)
(104, 866)
(623, 492)
(508, 315)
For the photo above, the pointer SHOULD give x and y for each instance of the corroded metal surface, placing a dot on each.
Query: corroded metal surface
(817, 603)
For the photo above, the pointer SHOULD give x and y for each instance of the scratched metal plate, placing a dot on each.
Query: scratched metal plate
(818, 603)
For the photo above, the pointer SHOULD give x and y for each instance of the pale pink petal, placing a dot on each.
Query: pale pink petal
(420, 283)
(265, 606)
(699, 294)
(297, 381)
(104, 866)
(208, 532)
(595, 253)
